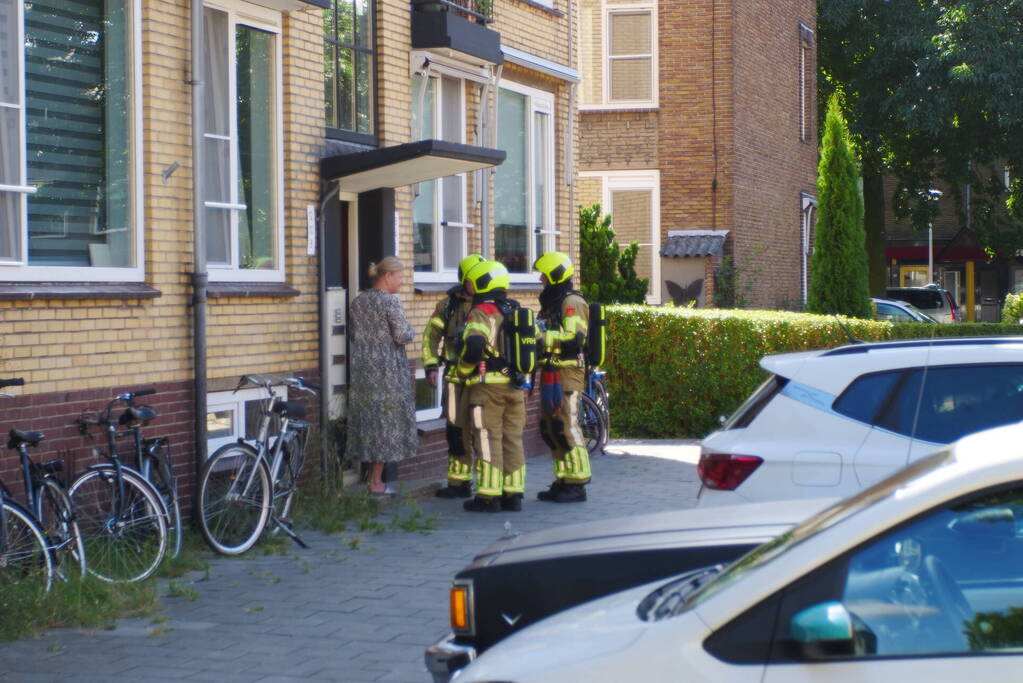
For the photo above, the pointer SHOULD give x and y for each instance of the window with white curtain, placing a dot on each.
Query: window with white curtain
(242, 153)
(69, 144)
(630, 76)
(524, 183)
(439, 224)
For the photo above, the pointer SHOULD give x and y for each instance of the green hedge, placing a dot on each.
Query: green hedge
(673, 371)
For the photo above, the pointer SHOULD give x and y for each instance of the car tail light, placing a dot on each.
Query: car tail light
(724, 471)
(460, 605)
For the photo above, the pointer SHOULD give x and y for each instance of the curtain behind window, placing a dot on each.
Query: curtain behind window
(78, 132)
(511, 208)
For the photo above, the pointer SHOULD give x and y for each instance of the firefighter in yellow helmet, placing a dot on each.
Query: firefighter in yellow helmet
(497, 407)
(565, 316)
(441, 340)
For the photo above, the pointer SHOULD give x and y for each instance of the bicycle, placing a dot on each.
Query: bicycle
(122, 516)
(247, 485)
(26, 556)
(597, 391)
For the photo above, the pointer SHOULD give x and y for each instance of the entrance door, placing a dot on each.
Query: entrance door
(987, 295)
(337, 248)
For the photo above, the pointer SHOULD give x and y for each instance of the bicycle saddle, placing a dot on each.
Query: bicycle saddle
(136, 414)
(19, 437)
(290, 409)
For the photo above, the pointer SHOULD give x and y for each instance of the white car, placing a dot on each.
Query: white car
(828, 423)
(917, 578)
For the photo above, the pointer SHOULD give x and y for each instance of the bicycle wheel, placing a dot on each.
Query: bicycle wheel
(125, 544)
(603, 401)
(25, 558)
(56, 517)
(162, 477)
(591, 423)
(234, 496)
(292, 462)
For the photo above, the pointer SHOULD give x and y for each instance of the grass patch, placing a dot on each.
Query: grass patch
(410, 517)
(179, 589)
(80, 602)
(331, 510)
(194, 556)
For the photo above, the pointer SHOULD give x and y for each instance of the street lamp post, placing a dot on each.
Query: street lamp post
(933, 194)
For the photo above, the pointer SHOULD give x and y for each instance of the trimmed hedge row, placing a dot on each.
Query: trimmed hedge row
(673, 371)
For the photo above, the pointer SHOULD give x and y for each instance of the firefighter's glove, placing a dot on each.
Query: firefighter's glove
(551, 394)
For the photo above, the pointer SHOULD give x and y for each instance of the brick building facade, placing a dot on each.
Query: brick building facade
(96, 250)
(707, 110)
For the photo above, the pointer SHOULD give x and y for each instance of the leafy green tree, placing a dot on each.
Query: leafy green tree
(838, 281)
(607, 273)
(930, 89)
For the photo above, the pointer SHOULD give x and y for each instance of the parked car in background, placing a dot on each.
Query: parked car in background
(917, 578)
(932, 300)
(828, 423)
(523, 579)
(899, 311)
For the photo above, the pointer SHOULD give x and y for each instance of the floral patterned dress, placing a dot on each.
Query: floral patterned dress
(381, 406)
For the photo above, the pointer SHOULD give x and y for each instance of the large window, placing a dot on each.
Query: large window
(524, 183)
(632, 198)
(244, 236)
(438, 211)
(348, 65)
(233, 415)
(68, 140)
(631, 66)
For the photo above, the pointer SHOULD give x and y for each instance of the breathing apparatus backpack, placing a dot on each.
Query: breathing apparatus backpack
(596, 335)
(517, 340)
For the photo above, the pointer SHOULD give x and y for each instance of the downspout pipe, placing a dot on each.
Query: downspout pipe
(200, 277)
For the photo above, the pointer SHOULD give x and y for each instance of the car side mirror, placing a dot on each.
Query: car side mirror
(828, 630)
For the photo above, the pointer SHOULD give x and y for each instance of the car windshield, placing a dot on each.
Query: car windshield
(820, 522)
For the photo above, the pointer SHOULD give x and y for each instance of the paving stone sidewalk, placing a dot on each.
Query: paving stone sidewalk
(354, 607)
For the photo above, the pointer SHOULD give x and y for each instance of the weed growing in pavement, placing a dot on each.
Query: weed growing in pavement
(55, 648)
(194, 556)
(157, 631)
(81, 601)
(415, 519)
(179, 589)
(255, 609)
(330, 510)
(354, 542)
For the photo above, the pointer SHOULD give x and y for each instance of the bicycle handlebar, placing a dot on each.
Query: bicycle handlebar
(12, 382)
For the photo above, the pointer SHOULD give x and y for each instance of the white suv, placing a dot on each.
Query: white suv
(828, 423)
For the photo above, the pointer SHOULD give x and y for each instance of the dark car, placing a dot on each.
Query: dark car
(932, 300)
(522, 579)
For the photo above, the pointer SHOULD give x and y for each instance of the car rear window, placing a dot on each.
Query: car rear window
(862, 400)
(945, 403)
(753, 406)
(927, 299)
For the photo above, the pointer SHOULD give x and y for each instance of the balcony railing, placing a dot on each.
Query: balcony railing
(480, 11)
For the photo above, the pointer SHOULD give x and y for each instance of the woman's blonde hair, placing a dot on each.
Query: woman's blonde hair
(388, 264)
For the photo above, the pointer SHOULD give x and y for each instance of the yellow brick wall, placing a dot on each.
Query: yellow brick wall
(66, 345)
(533, 30)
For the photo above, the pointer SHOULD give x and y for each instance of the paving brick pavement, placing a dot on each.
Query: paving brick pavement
(354, 607)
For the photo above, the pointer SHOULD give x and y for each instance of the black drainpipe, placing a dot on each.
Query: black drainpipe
(200, 277)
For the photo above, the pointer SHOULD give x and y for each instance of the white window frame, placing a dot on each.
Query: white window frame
(806, 43)
(619, 181)
(235, 401)
(431, 413)
(539, 102)
(270, 21)
(19, 270)
(607, 10)
(443, 275)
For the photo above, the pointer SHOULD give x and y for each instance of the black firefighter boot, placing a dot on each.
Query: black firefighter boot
(511, 502)
(463, 490)
(549, 494)
(479, 504)
(570, 493)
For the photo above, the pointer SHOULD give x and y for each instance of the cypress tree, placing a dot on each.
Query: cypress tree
(839, 276)
(607, 273)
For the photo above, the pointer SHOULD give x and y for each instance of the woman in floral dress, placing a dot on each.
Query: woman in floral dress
(381, 406)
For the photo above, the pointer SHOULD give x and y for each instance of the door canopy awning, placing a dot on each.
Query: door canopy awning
(406, 164)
